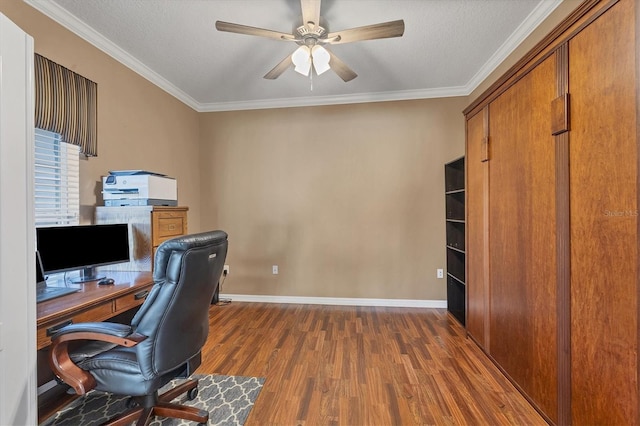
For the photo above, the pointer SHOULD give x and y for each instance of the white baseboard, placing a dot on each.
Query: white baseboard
(343, 301)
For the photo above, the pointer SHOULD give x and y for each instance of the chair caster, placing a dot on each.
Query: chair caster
(131, 402)
(192, 394)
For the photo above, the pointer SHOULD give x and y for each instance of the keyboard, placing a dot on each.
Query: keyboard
(48, 293)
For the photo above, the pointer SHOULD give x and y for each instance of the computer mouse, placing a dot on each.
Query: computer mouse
(106, 281)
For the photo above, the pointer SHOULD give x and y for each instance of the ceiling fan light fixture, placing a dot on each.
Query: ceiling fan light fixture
(310, 36)
(321, 59)
(301, 58)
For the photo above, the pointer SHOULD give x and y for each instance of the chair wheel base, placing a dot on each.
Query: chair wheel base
(192, 394)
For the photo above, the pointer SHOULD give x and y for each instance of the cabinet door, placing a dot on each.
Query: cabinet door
(604, 240)
(477, 291)
(522, 235)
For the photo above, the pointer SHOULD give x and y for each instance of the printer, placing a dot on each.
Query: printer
(138, 188)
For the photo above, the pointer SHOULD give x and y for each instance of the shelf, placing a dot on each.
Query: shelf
(455, 278)
(455, 249)
(455, 234)
(455, 205)
(455, 197)
(454, 175)
(456, 299)
(455, 191)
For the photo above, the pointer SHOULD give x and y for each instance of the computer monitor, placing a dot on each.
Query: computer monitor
(82, 248)
(40, 278)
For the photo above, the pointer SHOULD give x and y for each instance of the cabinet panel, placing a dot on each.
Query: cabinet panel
(562, 258)
(522, 236)
(603, 196)
(476, 231)
(166, 228)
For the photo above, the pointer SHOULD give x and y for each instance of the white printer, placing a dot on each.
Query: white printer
(138, 188)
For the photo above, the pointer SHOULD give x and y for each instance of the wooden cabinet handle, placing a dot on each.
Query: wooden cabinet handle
(141, 295)
(53, 330)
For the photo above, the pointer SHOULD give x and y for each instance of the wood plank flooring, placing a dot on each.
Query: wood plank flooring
(337, 365)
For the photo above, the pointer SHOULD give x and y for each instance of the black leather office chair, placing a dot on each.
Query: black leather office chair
(163, 341)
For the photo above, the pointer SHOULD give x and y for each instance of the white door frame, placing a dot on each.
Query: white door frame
(18, 374)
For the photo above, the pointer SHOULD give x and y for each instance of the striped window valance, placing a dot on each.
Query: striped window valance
(66, 103)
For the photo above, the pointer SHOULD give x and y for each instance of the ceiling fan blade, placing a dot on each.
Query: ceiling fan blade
(369, 32)
(254, 31)
(310, 11)
(279, 69)
(340, 68)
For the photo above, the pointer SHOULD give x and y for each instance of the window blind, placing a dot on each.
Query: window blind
(57, 180)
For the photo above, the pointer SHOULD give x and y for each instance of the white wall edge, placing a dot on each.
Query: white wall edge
(339, 301)
(18, 355)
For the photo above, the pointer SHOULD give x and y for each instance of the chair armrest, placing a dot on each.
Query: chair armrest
(62, 364)
(118, 334)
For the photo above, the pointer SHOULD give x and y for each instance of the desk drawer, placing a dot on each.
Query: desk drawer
(168, 225)
(129, 301)
(97, 313)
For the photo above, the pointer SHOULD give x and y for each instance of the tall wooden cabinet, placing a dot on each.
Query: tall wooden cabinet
(552, 229)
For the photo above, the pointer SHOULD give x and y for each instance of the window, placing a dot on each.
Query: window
(57, 188)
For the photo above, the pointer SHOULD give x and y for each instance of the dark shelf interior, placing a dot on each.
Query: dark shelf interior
(455, 205)
(455, 238)
(454, 175)
(455, 235)
(456, 299)
(455, 264)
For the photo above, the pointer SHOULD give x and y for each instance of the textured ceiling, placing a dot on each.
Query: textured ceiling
(448, 48)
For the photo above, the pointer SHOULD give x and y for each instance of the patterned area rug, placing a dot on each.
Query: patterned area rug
(228, 399)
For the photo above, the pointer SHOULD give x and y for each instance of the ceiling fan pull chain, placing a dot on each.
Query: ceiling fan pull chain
(311, 75)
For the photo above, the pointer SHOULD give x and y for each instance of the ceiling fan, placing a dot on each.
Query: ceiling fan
(311, 39)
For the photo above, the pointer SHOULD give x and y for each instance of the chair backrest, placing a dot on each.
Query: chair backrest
(175, 315)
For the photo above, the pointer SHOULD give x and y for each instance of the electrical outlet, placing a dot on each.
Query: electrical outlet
(440, 273)
(274, 270)
(225, 271)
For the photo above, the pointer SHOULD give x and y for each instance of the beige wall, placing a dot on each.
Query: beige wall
(348, 200)
(139, 125)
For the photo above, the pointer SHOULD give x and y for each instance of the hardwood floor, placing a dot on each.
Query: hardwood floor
(327, 365)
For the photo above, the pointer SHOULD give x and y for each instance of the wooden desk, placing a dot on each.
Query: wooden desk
(91, 304)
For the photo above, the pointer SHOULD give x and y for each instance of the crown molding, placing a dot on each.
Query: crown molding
(85, 32)
(531, 22)
(73, 24)
(403, 95)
